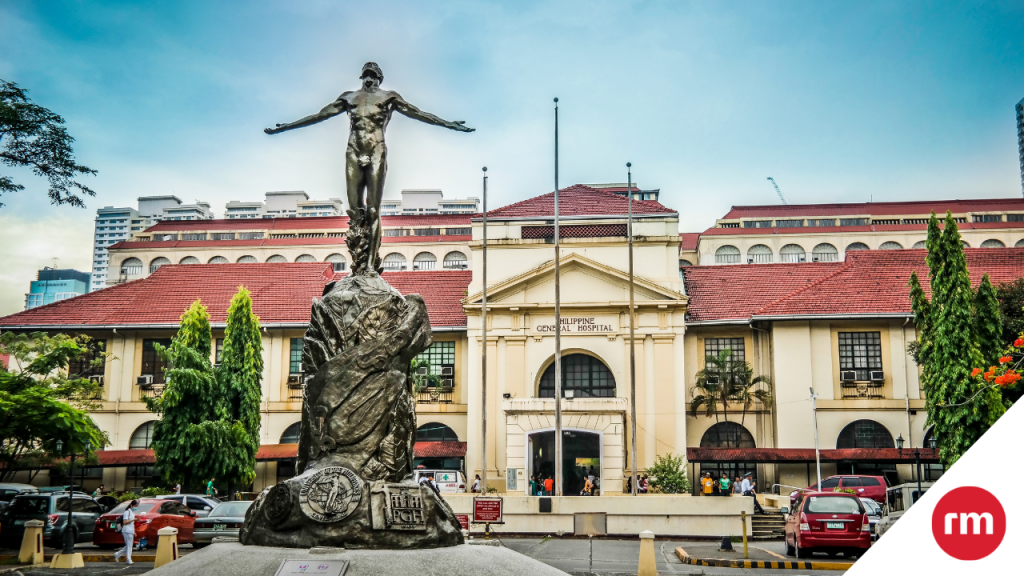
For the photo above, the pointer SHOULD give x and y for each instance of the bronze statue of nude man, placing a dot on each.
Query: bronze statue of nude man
(369, 110)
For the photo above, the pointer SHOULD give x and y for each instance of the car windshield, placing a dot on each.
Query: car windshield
(833, 505)
(142, 509)
(873, 508)
(30, 505)
(230, 509)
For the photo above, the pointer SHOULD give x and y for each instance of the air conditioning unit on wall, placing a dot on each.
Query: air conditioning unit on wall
(145, 380)
(97, 379)
(447, 371)
(877, 376)
(295, 380)
(848, 375)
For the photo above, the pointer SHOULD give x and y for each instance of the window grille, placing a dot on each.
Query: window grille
(860, 352)
(295, 356)
(455, 261)
(585, 376)
(250, 236)
(152, 363)
(853, 221)
(789, 223)
(458, 231)
(194, 236)
(820, 222)
(440, 355)
(727, 255)
(714, 346)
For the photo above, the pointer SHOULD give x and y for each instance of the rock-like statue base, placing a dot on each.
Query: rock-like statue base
(356, 487)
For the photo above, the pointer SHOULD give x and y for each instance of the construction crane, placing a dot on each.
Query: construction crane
(781, 197)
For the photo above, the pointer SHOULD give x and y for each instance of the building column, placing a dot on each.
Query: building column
(679, 371)
(650, 419)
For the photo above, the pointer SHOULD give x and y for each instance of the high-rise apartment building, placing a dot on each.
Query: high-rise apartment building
(52, 285)
(284, 205)
(1020, 139)
(116, 224)
(420, 202)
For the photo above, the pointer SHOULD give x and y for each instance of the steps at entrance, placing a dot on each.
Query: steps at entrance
(770, 526)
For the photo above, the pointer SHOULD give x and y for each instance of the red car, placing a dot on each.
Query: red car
(831, 522)
(873, 487)
(150, 516)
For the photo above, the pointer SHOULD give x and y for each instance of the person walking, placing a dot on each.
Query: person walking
(476, 484)
(211, 490)
(128, 532)
(724, 482)
(99, 491)
(549, 486)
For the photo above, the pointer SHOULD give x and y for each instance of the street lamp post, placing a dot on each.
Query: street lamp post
(632, 335)
(817, 453)
(483, 358)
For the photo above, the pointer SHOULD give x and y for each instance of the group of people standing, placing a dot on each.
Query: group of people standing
(542, 486)
(724, 487)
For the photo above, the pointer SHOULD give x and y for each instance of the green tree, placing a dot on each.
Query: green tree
(958, 412)
(726, 380)
(748, 389)
(35, 138)
(668, 475)
(193, 440)
(921, 306)
(988, 327)
(1011, 308)
(40, 404)
(241, 375)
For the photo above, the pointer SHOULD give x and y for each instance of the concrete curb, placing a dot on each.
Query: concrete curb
(776, 564)
(94, 558)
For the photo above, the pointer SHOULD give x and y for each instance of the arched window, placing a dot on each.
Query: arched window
(435, 432)
(306, 258)
(727, 435)
(1019, 244)
(857, 246)
(338, 261)
(142, 437)
(965, 244)
(247, 259)
(824, 252)
(683, 263)
(157, 263)
(865, 434)
(218, 260)
(276, 258)
(920, 245)
(189, 260)
(727, 255)
(891, 246)
(394, 262)
(992, 243)
(291, 434)
(792, 253)
(759, 254)
(131, 266)
(584, 375)
(424, 261)
(455, 260)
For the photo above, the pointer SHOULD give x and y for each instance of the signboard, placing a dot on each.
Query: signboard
(440, 477)
(487, 510)
(463, 520)
(579, 325)
(510, 479)
(314, 567)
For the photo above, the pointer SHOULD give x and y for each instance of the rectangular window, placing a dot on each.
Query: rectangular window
(398, 232)
(194, 236)
(218, 351)
(222, 236)
(714, 346)
(440, 355)
(152, 364)
(82, 366)
(295, 357)
(822, 222)
(789, 223)
(458, 231)
(426, 231)
(250, 236)
(757, 224)
(853, 221)
(860, 352)
(988, 218)
(1015, 217)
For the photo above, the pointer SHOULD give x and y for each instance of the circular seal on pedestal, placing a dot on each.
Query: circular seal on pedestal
(330, 494)
(278, 504)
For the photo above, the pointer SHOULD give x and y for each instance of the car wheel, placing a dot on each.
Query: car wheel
(790, 551)
(802, 552)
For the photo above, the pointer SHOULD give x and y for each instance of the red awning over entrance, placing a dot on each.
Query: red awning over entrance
(801, 455)
(273, 452)
(440, 449)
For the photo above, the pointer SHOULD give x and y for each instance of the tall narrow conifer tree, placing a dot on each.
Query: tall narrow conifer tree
(987, 323)
(241, 373)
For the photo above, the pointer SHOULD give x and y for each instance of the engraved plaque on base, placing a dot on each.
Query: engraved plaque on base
(397, 507)
(331, 494)
(313, 567)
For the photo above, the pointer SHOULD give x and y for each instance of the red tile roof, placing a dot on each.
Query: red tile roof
(869, 228)
(577, 200)
(689, 240)
(808, 455)
(318, 223)
(282, 294)
(877, 208)
(325, 241)
(868, 283)
(439, 449)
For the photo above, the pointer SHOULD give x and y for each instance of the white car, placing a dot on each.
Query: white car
(898, 500)
(874, 514)
(448, 481)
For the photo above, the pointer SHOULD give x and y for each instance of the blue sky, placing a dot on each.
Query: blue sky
(839, 101)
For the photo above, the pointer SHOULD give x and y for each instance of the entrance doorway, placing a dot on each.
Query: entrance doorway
(581, 457)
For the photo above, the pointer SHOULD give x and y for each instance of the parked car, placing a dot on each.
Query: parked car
(866, 486)
(830, 522)
(448, 481)
(151, 515)
(52, 509)
(874, 514)
(223, 522)
(899, 499)
(9, 490)
(201, 504)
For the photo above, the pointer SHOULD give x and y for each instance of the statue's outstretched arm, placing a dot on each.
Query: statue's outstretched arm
(416, 114)
(339, 106)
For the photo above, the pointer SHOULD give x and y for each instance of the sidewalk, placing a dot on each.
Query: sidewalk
(761, 554)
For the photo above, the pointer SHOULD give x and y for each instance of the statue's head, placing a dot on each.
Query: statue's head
(372, 75)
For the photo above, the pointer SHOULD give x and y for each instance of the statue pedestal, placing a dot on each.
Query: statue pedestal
(232, 559)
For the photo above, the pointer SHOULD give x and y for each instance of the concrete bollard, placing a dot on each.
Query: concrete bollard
(647, 566)
(166, 546)
(32, 543)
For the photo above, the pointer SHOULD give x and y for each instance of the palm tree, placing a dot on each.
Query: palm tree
(724, 380)
(748, 389)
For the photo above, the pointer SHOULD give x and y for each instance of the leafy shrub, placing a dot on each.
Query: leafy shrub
(668, 475)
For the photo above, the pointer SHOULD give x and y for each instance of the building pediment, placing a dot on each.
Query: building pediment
(583, 282)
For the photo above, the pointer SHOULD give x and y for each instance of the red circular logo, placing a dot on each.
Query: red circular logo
(968, 523)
